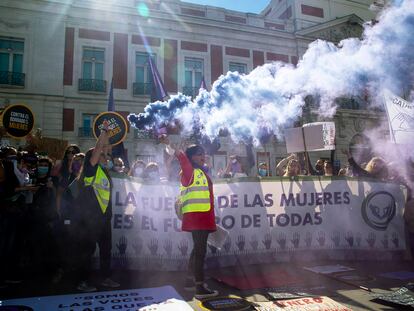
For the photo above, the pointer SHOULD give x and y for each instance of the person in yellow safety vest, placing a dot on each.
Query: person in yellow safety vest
(94, 202)
(197, 207)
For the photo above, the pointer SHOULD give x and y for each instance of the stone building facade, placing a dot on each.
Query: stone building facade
(59, 58)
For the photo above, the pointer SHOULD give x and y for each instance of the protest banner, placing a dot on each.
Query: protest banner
(400, 118)
(317, 136)
(267, 220)
(302, 304)
(131, 299)
(18, 120)
(117, 126)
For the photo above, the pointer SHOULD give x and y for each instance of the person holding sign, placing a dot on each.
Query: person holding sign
(94, 202)
(375, 168)
(197, 207)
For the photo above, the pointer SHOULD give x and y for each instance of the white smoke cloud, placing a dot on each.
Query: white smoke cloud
(271, 97)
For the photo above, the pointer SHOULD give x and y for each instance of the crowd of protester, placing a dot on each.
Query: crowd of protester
(41, 221)
(42, 218)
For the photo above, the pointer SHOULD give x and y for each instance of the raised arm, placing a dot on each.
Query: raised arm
(185, 164)
(101, 143)
(356, 169)
(282, 163)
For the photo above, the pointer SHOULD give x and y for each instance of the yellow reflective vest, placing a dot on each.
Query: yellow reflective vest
(101, 186)
(196, 197)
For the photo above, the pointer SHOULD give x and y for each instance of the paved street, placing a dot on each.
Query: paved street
(365, 275)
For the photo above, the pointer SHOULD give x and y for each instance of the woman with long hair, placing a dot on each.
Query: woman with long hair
(64, 174)
(375, 168)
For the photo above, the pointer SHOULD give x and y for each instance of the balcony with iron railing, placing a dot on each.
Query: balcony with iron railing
(12, 78)
(92, 85)
(190, 91)
(140, 88)
(85, 132)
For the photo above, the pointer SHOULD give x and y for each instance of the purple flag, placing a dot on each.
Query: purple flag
(111, 104)
(158, 91)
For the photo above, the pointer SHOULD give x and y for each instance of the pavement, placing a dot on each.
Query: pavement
(353, 291)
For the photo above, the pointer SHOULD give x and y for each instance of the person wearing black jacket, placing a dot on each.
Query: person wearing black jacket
(45, 230)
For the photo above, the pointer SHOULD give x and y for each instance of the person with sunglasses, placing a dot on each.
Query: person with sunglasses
(62, 175)
(197, 207)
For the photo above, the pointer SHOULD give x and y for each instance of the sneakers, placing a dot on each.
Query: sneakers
(189, 283)
(110, 283)
(85, 287)
(202, 291)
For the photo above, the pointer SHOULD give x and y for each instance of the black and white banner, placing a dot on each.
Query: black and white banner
(276, 218)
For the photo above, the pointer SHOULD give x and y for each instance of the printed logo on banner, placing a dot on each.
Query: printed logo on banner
(378, 209)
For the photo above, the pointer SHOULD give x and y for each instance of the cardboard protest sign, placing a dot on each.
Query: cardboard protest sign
(303, 304)
(130, 299)
(117, 126)
(316, 136)
(400, 117)
(299, 139)
(328, 134)
(18, 120)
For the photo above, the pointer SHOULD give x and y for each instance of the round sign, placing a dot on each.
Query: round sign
(226, 304)
(117, 128)
(18, 120)
(378, 209)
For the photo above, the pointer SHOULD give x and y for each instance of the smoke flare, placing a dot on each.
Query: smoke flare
(271, 97)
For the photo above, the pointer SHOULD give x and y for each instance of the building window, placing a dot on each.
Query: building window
(239, 67)
(193, 74)
(11, 62)
(143, 74)
(87, 124)
(93, 64)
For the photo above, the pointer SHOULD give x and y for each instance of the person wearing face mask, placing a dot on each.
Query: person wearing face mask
(44, 224)
(93, 224)
(151, 172)
(66, 194)
(119, 166)
(137, 169)
(262, 170)
(68, 190)
(63, 175)
(234, 167)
